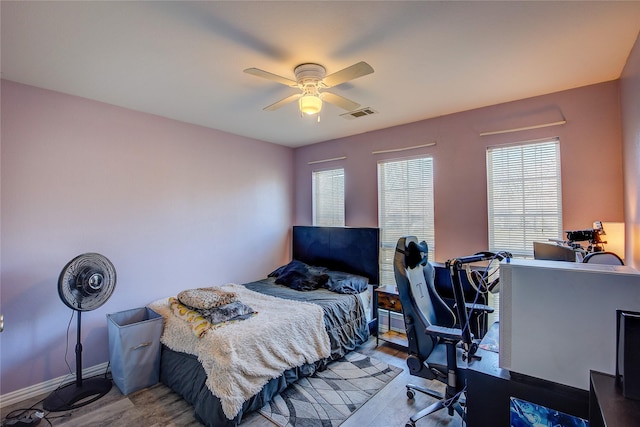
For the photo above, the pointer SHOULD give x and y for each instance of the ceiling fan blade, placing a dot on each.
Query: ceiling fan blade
(353, 72)
(340, 101)
(270, 76)
(282, 102)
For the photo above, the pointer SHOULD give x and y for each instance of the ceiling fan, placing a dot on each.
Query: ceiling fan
(312, 81)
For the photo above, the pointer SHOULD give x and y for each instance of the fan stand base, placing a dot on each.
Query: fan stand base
(73, 396)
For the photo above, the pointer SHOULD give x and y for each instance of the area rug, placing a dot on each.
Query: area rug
(329, 397)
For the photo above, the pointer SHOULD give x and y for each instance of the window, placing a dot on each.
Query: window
(328, 197)
(405, 207)
(524, 196)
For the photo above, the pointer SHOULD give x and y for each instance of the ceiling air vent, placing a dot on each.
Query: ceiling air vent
(358, 113)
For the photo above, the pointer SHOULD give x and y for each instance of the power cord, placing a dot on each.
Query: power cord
(66, 352)
(29, 417)
(482, 281)
(64, 382)
(23, 418)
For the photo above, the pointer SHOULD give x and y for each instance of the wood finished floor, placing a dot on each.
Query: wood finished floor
(158, 406)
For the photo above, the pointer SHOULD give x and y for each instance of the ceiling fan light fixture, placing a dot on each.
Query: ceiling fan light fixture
(310, 104)
(311, 79)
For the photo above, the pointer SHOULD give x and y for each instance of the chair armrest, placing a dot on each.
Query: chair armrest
(453, 334)
(479, 307)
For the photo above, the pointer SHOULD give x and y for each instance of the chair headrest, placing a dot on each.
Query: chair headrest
(416, 254)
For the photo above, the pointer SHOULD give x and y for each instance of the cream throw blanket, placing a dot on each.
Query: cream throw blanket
(240, 358)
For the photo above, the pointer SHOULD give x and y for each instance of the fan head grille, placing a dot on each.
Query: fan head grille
(87, 282)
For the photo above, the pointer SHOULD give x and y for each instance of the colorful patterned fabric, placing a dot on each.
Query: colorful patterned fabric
(201, 321)
(198, 324)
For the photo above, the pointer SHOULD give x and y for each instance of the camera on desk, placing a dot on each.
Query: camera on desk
(581, 235)
(593, 236)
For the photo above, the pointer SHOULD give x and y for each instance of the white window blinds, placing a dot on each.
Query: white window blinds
(328, 197)
(405, 207)
(524, 195)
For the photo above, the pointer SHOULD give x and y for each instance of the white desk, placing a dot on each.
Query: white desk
(558, 319)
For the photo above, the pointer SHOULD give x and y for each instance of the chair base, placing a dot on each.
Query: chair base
(411, 389)
(450, 403)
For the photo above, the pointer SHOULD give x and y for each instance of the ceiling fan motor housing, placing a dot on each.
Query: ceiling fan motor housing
(309, 74)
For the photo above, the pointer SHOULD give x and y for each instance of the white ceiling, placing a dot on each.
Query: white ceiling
(185, 60)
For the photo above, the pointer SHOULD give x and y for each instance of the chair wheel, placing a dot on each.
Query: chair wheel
(410, 394)
(410, 424)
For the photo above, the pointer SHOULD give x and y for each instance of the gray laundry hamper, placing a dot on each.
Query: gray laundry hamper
(134, 348)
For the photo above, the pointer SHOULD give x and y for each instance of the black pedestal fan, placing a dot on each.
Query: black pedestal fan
(85, 283)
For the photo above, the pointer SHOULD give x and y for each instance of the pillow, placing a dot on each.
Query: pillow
(300, 276)
(346, 283)
(206, 298)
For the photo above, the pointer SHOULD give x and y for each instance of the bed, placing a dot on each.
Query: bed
(345, 318)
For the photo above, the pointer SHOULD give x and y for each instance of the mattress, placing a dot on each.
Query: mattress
(347, 327)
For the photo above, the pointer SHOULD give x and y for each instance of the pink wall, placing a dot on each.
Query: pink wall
(591, 155)
(630, 102)
(172, 205)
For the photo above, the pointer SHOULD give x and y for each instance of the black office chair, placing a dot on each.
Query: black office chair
(603, 257)
(438, 347)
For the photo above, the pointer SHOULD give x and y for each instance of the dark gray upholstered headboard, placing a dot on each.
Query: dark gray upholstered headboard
(349, 249)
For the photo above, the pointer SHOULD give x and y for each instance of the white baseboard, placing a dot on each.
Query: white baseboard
(48, 386)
